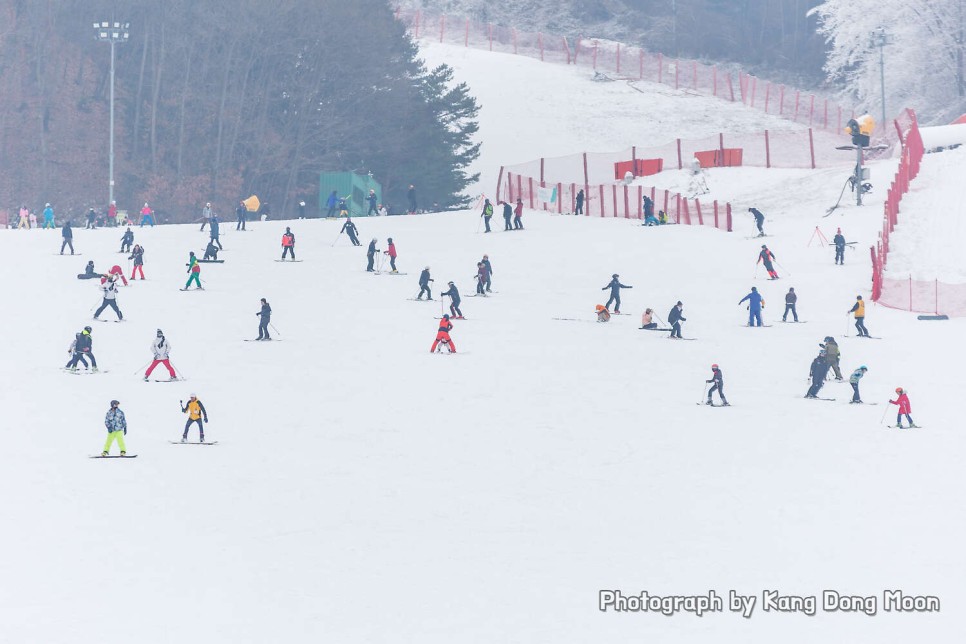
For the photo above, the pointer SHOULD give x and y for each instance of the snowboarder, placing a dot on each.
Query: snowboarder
(790, 299)
(424, 280)
(89, 272)
(507, 216)
(517, 215)
(454, 296)
(817, 372)
(839, 241)
(833, 355)
(48, 217)
(350, 229)
(854, 381)
(755, 304)
(266, 317)
(372, 199)
(675, 318)
(241, 214)
(211, 252)
(905, 408)
(147, 216)
(391, 251)
(68, 234)
(196, 414)
(767, 257)
(110, 299)
(161, 349)
(288, 243)
(603, 315)
(91, 219)
(615, 287)
(215, 232)
(647, 319)
(116, 425)
(205, 216)
(411, 195)
(482, 277)
(759, 221)
(194, 271)
(127, 239)
(82, 348)
(579, 210)
(489, 271)
(487, 214)
(330, 203)
(859, 310)
(371, 255)
(718, 385)
(442, 335)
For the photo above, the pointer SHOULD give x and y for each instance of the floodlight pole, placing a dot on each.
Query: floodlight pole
(880, 39)
(112, 32)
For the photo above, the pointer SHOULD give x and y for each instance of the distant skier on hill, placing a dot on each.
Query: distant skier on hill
(266, 317)
(790, 300)
(905, 408)
(579, 210)
(350, 229)
(91, 219)
(110, 299)
(507, 216)
(755, 304)
(854, 381)
(343, 207)
(718, 385)
(288, 243)
(116, 425)
(371, 255)
(215, 232)
(331, 202)
(81, 349)
(767, 257)
(675, 318)
(817, 372)
(391, 251)
(161, 349)
(489, 271)
(518, 215)
(859, 310)
(759, 221)
(372, 199)
(411, 196)
(482, 275)
(648, 205)
(241, 214)
(424, 280)
(205, 216)
(194, 272)
(147, 215)
(48, 217)
(68, 234)
(127, 239)
(487, 214)
(442, 335)
(839, 241)
(615, 287)
(454, 295)
(196, 414)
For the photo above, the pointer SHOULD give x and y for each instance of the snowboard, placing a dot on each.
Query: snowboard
(193, 443)
(211, 261)
(115, 456)
(793, 321)
(670, 338)
(191, 289)
(713, 404)
(763, 326)
(71, 255)
(388, 273)
(819, 398)
(415, 299)
(269, 340)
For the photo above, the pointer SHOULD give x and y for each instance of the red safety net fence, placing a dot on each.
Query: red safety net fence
(614, 200)
(924, 296)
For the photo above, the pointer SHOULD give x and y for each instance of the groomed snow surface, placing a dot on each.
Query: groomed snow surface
(364, 490)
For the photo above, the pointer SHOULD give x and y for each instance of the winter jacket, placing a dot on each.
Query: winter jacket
(790, 298)
(48, 213)
(489, 268)
(832, 352)
(487, 210)
(905, 407)
(453, 293)
(580, 198)
(193, 266)
(615, 286)
(675, 315)
(350, 228)
(265, 313)
(138, 256)
(424, 278)
(331, 201)
(66, 232)
(195, 410)
(372, 199)
(518, 211)
(115, 421)
(766, 256)
(128, 237)
(372, 249)
(206, 212)
(647, 318)
(482, 274)
(83, 342)
(839, 241)
(716, 378)
(288, 240)
(819, 369)
(445, 326)
(507, 210)
(758, 216)
(648, 207)
(391, 250)
(110, 291)
(161, 348)
(856, 376)
(89, 269)
(214, 228)
(755, 301)
(858, 308)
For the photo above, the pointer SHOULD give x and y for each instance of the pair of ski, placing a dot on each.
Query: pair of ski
(85, 372)
(286, 261)
(387, 273)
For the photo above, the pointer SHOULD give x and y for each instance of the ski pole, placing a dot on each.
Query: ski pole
(178, 371)
(783, 268)
(847, 325)
(141, 368)
(478, 224)
(337, 238)
(756, 271)
(884, 412)
(277, 332)
(702, 394)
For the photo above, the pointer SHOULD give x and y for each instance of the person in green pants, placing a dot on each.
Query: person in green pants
(194, 269)
(116, 428)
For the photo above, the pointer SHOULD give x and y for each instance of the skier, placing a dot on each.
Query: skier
(266, 317)
(424, 280)
(75, 357)
(110, 299)
(767, 257)
(196, 414)
(288, 243)
(343, 207)
(649, 210)
(331, 202)
(517, 214)
(147, 215)
(487, 214)
(755, 304)
(116, 425)
(482, 276)
(675, 318)
(89, 272)
(790, 299)
(194, 270)
(647, 319)
(489, 271)
(507, 216)
(115, 273)
(839, 241)
(411, 195)
(859, 309)
(603, 315)
(48, 216)
(454, 296)
(112, 214)
(371, 254)
(82, 348)
(126, 240)
(442, 335)
(350, 229)
(718, 386)
(211, 252)
(241, 214)
(205, 216)
(759, 221)
(372, 199)
(817, 372)
(854, 381)
(68, 234)
(215, 232)
(24, 218)
(91, 219)
(579, 210)
(905, 408)
(615, 287)
(833, 355)
(162, 350)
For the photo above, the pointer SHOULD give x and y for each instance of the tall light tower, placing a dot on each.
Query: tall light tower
(112, 32)
(880, 39)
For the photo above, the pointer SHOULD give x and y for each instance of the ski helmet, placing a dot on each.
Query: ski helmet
(863, 368)
(446, 316)
(763, 246)
(426, 269)
(374, 239)
(192, 396)
(160, 332)
(615, 275)
(714, 366)
(88, 329)
(450, 283)
(754, 288)
(115, 402)
(899, 390)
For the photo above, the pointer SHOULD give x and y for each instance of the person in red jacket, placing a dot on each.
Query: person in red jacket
(116, 270)
(767, 257)
(391, 251)
(442, 335)
(288, 243)
(905, 408)
(517, 213)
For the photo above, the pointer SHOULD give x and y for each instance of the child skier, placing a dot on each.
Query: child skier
(266, 317)
(211, 252)
(615, 287)
(126, 240)
(161, 349)
(905, 408)
(424, 280)
(718, 386)
(755, 304)
(391, 251)
(859, 310)
(442, 335)
(767, 257)
(482, 277)
(110, 299)
(759, 220)
(196, 414)
(454, 295)
(288, 243)
(194, 270)
(116, 425)
(603, 315)
(81, 349)
(343, 207)
(854, 381)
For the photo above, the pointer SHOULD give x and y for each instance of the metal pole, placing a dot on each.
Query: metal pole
(882, 77)
(110, 179)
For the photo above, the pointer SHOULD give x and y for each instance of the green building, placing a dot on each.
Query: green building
(348, 184)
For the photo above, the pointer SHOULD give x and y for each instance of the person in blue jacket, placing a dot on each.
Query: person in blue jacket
(755, 304)
(615, 287)
(331, 202)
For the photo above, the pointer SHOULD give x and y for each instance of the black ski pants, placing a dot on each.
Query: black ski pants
(113, 305)
(720, 389)
(789, 308)
(817, 384)
(201, 428)
(263, 328)
(424, 288)
(288, 250)
(615, 297)
(68, 242)
(454, 309)
(79, 357)
(840, 254)
(676, 330)
(860, 326)
(371, 260)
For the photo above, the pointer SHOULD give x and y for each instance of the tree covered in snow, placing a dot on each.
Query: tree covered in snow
(923, 62)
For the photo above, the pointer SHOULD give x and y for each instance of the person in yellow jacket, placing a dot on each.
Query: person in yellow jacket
(196, 413)
(859, 309)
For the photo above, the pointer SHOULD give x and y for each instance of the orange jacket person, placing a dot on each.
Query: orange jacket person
(443, 335)
(288, 243)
